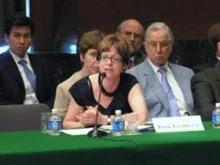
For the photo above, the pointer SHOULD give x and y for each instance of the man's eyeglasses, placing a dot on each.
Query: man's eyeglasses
(154, 45)
(105, 58)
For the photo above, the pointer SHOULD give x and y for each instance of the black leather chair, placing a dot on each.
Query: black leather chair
(21, 117)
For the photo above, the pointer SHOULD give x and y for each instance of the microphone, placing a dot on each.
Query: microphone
(95, 132)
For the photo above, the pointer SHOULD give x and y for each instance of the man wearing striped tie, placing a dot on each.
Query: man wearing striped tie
(24, 78)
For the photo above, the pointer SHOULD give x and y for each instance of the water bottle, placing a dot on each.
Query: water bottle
(216, 116)
(118, 124)
(54, 123)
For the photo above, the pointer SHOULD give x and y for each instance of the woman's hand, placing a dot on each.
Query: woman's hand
(88, 117)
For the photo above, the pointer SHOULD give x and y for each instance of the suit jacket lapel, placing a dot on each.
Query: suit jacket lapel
(154, 84)
(179, 78)
(217, 78)
(13, 69)
(37, 70)
(217, 82)
(183, 84)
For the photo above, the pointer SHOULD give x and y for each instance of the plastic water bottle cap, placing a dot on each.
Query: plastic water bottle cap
(217, 104)
(118, 112)
(54, 110)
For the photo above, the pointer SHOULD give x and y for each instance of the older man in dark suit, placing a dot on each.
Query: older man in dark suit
(24, 78)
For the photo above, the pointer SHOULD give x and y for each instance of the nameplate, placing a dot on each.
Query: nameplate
(178, 124)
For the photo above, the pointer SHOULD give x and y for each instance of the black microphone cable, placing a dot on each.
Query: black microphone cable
(95, 132)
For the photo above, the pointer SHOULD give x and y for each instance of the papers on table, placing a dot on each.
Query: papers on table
(163, 124)
(106, 128)
(140, 127)
(81, 131)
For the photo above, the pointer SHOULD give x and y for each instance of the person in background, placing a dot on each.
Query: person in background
(214, 39)
(205, 84)
(132, 31)
(88, 51)
(24, 78)
(166, 86)
(115, 90)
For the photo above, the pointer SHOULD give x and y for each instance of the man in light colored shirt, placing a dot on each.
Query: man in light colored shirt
(24, 78)
(158, 43)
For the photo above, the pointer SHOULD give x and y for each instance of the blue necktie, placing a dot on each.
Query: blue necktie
(174, 110)
(29, 74)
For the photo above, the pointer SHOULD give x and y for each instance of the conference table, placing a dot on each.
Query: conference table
(149, 148)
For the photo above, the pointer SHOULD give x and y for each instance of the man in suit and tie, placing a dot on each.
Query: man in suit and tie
(166, 86)
(24, 78)
(206, 84)
(132, 31)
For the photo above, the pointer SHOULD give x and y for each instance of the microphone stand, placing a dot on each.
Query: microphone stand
(95, 132)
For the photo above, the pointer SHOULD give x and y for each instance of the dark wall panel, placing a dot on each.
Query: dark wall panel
(59, 21)
(55, 19)
(189, 19)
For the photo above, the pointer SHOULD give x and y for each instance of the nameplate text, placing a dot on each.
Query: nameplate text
(178, 124)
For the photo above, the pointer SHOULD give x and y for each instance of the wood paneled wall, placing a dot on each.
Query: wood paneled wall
(57, 19)
(189, 19)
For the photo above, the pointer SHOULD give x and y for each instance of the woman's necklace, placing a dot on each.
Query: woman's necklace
(109, 94)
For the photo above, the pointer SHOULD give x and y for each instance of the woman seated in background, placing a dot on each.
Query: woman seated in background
(88, 51)
(119, 90)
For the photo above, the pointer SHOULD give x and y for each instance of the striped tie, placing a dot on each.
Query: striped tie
(174, 110)
(29, 74)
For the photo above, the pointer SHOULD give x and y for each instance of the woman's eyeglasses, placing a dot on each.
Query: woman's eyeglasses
(106, 57)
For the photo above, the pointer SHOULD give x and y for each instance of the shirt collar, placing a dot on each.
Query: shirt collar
(17, 58)
(156, 68)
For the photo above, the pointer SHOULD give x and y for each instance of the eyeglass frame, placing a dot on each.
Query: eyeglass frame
(163, 44)
(106, 57)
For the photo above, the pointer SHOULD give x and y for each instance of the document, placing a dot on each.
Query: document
(78, 131)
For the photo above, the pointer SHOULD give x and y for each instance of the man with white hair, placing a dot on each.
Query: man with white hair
(166, 86)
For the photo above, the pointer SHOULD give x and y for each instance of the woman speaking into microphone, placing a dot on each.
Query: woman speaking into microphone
(107, 91)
